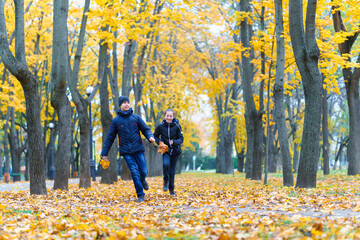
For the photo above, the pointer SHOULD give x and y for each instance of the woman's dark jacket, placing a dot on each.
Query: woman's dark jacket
(170, 131)
(126, 125)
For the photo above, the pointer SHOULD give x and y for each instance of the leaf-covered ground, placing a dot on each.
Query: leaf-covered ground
(207, 206)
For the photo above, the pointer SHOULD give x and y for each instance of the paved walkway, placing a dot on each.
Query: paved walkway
(262, 211)
(25, 185)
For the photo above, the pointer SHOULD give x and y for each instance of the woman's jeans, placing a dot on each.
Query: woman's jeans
(137, 166)
(169, 164)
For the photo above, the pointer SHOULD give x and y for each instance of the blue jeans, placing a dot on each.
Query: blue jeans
(137, 166)
(169, 164)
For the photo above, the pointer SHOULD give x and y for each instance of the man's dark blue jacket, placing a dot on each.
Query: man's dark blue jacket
(127, 125)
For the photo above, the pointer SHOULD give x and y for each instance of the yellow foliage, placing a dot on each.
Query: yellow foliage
(163, 148)
(178, 76)
(104, 163)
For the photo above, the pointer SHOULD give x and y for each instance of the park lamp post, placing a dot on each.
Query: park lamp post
(89, 90)
(51, 172)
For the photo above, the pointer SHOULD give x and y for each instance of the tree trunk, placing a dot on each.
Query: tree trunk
(229, 163)
(223, 132)
(240, 159)
(249, 146)
(18, 67)
(258, 146)
(129, 54)
(351, 79)
(82, 106)
(269, 141)
(125, 172)
(178, 165)
(153, 159)
(115, 93)
(6, 143)
(59, 99)
(252, 116)
(341, 159)
(14, 147)
(338, 156)
(109, 175)
(307, 54)
(84, 171)
(288, 179)
(113, 78)
(230, 122)
(293, 124)
(272, 149)
(138, 84)
(27, 165)
(142, 65)
(219, 155)
(296, 159)
(325, 132)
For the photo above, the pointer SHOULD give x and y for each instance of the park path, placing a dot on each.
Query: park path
(25, 185)
(258, 210)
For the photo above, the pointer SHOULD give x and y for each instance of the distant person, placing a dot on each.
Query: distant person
(169, 132)
(127, 126)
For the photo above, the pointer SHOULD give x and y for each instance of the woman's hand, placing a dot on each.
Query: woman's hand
(163, 148)
(171, 142)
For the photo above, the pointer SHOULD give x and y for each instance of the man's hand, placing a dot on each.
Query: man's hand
(104, 162)
(152, 139)
(171, 142)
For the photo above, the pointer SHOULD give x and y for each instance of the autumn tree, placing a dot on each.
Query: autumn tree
(15, 146)
(240, 140)
(253, 117)
(82, 104)
(351, 74)
(288, 179)
(130, 50)
(166, 64)
(224, 93)
(6, 164)
(307, 55)
(293, 107)
(59, 99)
(106, 21)
(109, 175)
(18, 67)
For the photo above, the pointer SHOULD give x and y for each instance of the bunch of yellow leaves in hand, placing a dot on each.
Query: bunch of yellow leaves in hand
(105, 163)
(163, 148)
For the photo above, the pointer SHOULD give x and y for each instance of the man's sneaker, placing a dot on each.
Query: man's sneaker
(172, 193)
(166, 186)
(145, 184)
(140, 199)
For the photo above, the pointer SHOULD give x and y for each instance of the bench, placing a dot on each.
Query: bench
(15, 174)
